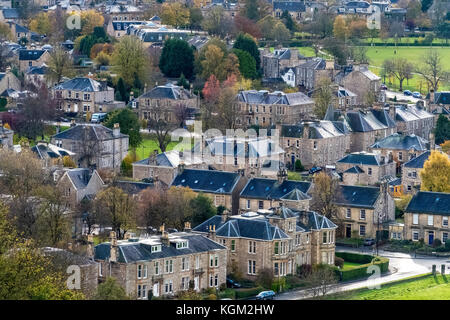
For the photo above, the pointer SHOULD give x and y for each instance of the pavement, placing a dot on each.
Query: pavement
(401, 266)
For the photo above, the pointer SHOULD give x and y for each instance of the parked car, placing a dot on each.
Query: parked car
(265, 295)
(98, 117)
(417, 95)
(233, 284)
(407, 93)
(315, 170)
(369, 242)
(172, 230)
(383, 87)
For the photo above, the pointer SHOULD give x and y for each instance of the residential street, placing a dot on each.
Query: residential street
(401, 266)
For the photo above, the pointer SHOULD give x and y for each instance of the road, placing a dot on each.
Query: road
(400, 96)
(401, 265)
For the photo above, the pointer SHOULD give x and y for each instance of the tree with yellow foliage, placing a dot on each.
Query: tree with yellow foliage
(41, 24)
(7, 126)
(68, 162)
(175, 14)
(340, 29)
(5, 32)
(435, 174)
(446, 147)
(89, 20)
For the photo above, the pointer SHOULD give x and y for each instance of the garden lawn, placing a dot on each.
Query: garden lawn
(148, 145)
(350, 265)
(427, 287)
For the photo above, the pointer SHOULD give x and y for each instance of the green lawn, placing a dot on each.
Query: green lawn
(350, 265)
(149, 144)
(292, 175)
(417, 288)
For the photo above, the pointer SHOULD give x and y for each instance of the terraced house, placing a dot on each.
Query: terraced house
(410, 172)
(280, 240)
(162, 265)
(161, 102)
(411, 119)
(362, 168)
(317, 143)
(264, 108)
(400, 148)
(82, 95)
(363, 211)
(426, 217)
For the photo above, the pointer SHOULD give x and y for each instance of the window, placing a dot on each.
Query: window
(315, 145)
(444, 237)
(184, 264)
(213, 260)
(261, 204)
(139, 271)
(156, 265)
(369, 171)
(142, 291)
(415, 218)
(445, 221)
(184, 283)
(298, 239)
(430, 220)
(324, 237)
(362, 230)
(169, 266)
(276, 248)
(362, 214)
(233, 245)
(348, 214)
(168, 286)
(100, 270)
(275, 269)
(248, 204)
(400, 156)
(252, 247)
(251, 267)
(214, 280)
(415, 235)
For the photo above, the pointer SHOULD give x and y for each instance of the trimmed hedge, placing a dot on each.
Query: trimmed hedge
(248, 292)
(361, 271)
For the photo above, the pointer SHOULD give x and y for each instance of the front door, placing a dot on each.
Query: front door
(430, 237)
(348, 231)
(156, 289)
(293, 161)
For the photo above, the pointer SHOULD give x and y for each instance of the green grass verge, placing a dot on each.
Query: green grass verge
(423, 287)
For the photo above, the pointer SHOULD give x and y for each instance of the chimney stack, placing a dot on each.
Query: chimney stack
(306, 130)
(116, 130)
(90, 249)
(432, 96)
(72, 123)
(432, 142)
(187, 227)
(392, 111)
(113, 254)
(225, 215)
(164, 236)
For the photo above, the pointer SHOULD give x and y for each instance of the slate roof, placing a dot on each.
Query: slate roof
(10, 13)
(354, 169)
(398, 141)
(418, 161)
(442, 97)
(384, 117)
(314, 63)
(430, 202)
(88, 132)
(360, 121)
(45, 151)
(357, 4)
(172, 159)
(295, 195)
(80, 177)
(317, 130)
(411, 113)
(273, 98)
(132, 187)
(296, 6)
(356, 196)
(21, 29)
(82, 84)
(168, 91)
(41, 70)
(130, 251)
(362, 158)
(210, 181)
(261, 188)
(25, 54)
(123, 25)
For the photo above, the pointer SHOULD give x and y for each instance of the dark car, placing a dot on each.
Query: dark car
(315, 170)
(265, 295)
(172, 230)
(232, 284)
(383, 87)
(407, 93)
(369, 242)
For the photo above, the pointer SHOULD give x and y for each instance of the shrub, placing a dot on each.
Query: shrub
(437, 243)
(354, 257)
(299, 166)
(212, 297)
(248, 292)
(304, 270)
(339, 262)
(227, 293)
(68, 162)
(279, 284)
(265, 278)
(293, 281)
(361, 271)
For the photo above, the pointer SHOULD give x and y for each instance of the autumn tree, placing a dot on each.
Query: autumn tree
(210, 92)
(217, 23)
(245, 25)
(446, 147)
(41, 23)
(59, 65)
(214, 59)
(129, 59)
(435, 175)
(228, 110)
(323, 97)
(89, 20)
(116, 209)
(280, 32)
(5, 32)
(175, 14)
(340, 29)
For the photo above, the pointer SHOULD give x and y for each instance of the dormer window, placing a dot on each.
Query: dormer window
(182, 245)
(156, 248)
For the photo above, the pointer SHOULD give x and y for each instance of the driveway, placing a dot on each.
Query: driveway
(401, 266)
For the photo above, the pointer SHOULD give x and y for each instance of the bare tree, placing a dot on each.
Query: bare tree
(325, 195)
(323, 97)
(161, 125)
(401, 69)
(432, 69)
(321, 281)
(59, 65)
(88, 149)
(181, 111)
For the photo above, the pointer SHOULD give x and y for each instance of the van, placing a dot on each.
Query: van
(98, 117)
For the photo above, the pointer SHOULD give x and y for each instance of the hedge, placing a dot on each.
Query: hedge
(361, 271)
(248, 292)
(228, 293)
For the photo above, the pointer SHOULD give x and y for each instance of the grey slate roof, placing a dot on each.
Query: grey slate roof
(10, 13)
(296, 6)
(354, 169)
(430, 202)
(442, 97)
(210, 181)
(356, 196)
(81, 84)
(132, 187)
(261, 188)
(41, 70)
(272, 98)
(130, 252)
(25, 54)
(397, 141)
(168, 91)
(418, 161)
(87, 131)
(317, 130)
(80, 177)
(361, 158)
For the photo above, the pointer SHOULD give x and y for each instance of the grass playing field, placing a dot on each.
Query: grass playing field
(427, 287)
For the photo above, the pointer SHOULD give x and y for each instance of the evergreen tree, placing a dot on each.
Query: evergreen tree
(122, 90)
(442, 130)
(288, 22)
(247, 64)
(129, 124)
(245, 42)
(177, 57)
(183, 82)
